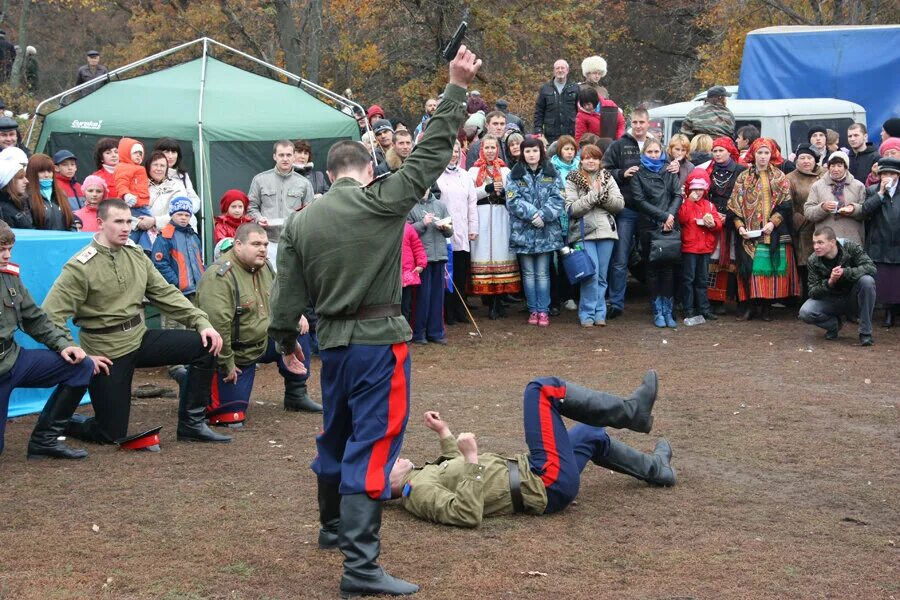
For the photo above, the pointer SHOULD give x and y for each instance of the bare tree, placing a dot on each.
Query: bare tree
(19, 64)
(286, 27)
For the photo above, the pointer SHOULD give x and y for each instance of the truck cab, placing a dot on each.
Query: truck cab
(785, 121)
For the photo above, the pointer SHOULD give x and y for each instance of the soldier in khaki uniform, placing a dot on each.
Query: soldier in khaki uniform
(102, 288)
(65, 365)
(462, 487)
(234, 293)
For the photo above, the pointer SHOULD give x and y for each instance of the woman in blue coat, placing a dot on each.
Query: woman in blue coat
(535, 203)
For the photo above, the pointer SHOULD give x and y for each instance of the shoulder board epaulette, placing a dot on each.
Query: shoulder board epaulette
(10, 269)
(86, 255)
(223, 268)
(378, 179)
(130, 243)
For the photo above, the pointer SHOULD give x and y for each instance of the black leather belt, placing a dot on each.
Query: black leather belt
(374, 311)
(126, 326)
(515, 485)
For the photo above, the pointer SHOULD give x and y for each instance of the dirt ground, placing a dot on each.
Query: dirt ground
(786, 449)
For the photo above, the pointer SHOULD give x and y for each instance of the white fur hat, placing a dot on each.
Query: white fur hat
(593, 63)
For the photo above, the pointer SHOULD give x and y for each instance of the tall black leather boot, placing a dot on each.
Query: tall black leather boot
(888, 316)
(493, 308)
(296, 398)
(329, 514)
(360, 542)
(654, 468)
(51, 424)
(605, 410)
(192, 404)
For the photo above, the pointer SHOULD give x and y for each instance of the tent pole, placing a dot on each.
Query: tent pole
(201, 171)
(109, 76)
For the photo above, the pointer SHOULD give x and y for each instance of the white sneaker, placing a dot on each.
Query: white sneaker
(570, 305)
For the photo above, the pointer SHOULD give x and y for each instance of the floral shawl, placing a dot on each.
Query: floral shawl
(755, 201)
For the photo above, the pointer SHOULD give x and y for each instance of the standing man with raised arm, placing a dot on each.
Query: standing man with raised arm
(344, 252)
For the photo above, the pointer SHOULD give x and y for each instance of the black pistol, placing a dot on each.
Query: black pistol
(453, 45)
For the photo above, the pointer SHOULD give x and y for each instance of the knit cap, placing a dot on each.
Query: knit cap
(180, 204)
(8, 170)
(91, 180)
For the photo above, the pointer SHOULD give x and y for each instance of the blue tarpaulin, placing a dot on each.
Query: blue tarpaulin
(859, 64)
(41, 255)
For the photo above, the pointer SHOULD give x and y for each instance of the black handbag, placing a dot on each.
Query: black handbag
(577, 264)
(665, 246)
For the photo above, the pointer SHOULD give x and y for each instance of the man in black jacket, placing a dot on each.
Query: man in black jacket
(622, 160)
(862, 153)
(841, 281)
(554, 111)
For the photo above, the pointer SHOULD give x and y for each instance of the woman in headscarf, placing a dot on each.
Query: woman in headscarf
(761, 211)
(495, 270)
(801, 179)
(723, 171)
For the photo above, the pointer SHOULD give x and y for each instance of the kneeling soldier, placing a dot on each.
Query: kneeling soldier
(234, 293)
(64, 365)
(462, 487)
(103, 287)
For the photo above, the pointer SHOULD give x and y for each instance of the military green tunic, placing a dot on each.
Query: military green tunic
(100, 287)
(454, 492)
(343, 251)
(216, 297)
(20, 311)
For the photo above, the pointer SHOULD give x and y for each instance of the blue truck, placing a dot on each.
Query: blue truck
(855, 63)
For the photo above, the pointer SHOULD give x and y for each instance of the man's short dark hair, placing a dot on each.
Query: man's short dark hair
(7, 237)
(281, 143)
(749, 133)
(494, 114)
(860, 126)
(826, 232)
(401, 133)
(243, 232)
(347, 155)
(106, 205)
(588, 95)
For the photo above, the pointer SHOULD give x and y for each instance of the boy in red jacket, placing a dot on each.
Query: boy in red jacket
(700, 225)
(234, 205)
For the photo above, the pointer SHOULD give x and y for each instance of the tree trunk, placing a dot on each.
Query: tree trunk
(313, 57)
(18, 67)
(287, 34)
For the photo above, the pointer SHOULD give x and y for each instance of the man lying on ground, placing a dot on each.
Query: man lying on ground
(462, 487)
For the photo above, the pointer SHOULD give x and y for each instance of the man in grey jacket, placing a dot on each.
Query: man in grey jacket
(278, 192)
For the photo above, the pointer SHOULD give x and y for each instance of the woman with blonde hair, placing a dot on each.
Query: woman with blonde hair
(701, 150)
(678, 149)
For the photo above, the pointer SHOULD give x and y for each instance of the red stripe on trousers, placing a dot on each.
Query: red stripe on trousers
(214, 393)
(548, 435)
(397, 407)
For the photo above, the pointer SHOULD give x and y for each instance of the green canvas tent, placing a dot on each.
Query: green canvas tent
(225, 118)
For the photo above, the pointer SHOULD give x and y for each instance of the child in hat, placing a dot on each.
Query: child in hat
(133, 186)
(176, 250)
(65, 166)
(700, 227)
(94, 190)
(234, 205)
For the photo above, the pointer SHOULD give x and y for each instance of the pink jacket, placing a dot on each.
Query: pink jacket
(413, 256)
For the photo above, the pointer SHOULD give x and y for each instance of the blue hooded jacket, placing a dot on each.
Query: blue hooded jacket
(527, 194)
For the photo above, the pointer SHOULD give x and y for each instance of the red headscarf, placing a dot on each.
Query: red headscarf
(725, 142)
(487, 170)
(750, 157)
